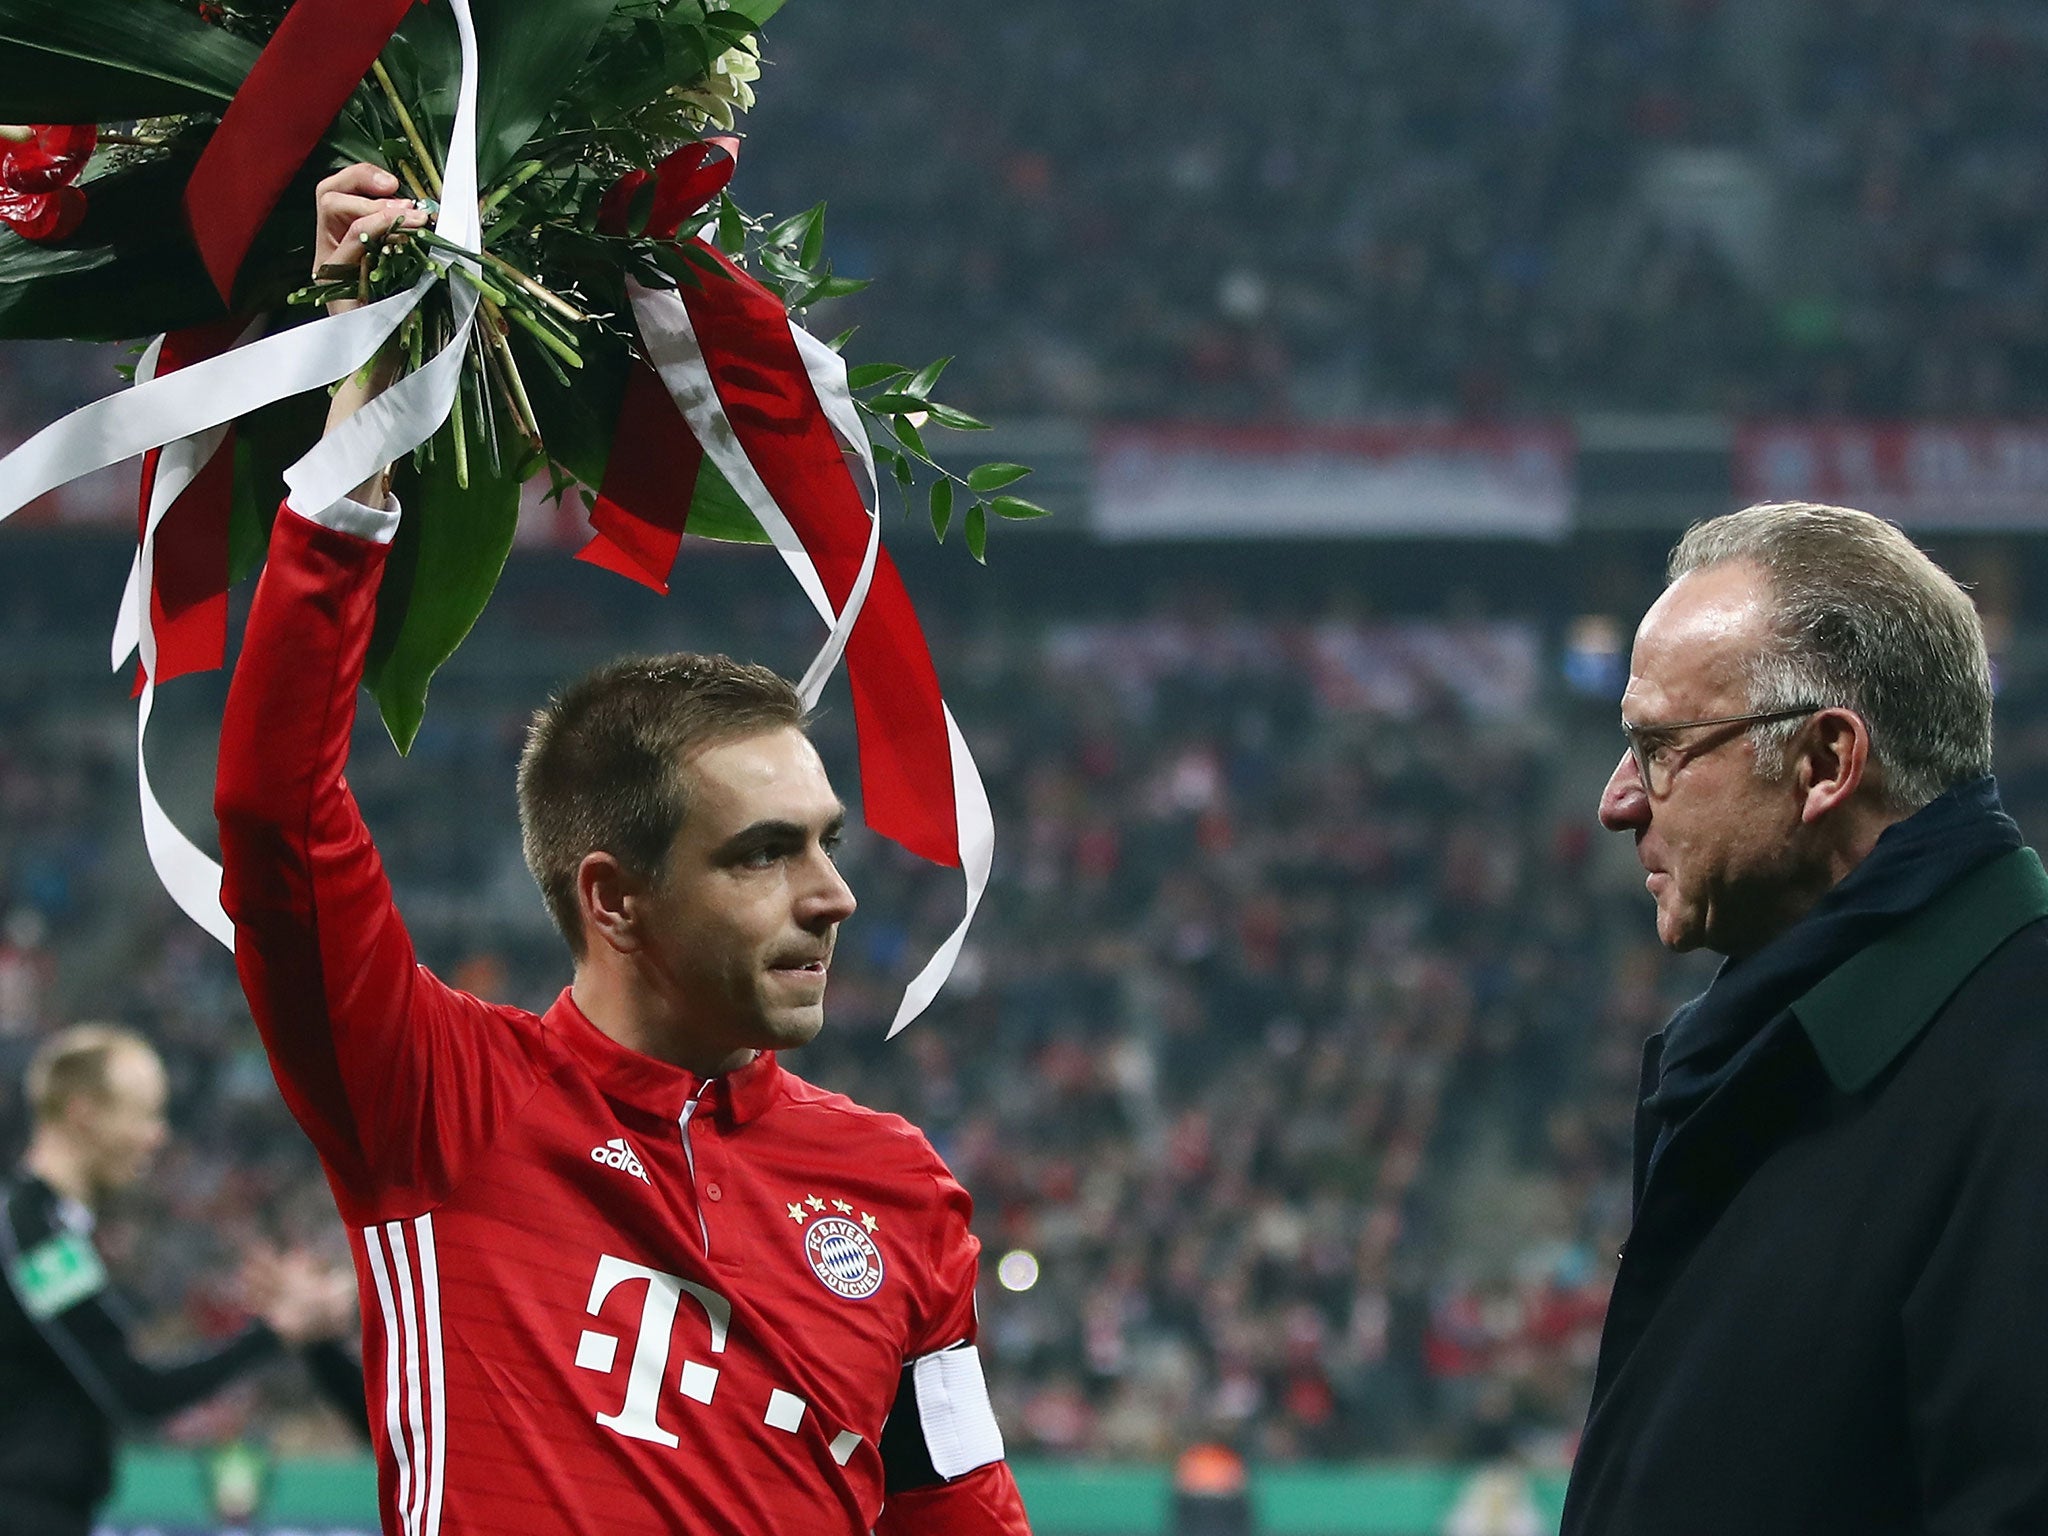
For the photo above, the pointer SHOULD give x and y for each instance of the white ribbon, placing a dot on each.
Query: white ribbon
(189, 875)
(186, 413)
(673, 349)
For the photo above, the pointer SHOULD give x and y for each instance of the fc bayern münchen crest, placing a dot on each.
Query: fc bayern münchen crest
(844, 1257)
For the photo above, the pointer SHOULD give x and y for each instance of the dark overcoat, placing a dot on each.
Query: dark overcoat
(1831, 1317)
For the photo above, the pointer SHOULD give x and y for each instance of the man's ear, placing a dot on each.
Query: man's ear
(607, 895)
(1833, 758)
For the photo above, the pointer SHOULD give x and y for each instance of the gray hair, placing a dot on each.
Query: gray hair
(1864, 622)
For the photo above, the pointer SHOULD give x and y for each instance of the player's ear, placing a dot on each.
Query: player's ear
(605, 894)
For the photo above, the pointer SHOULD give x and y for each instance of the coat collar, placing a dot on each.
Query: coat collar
(735, 1097)
(1875, 1004)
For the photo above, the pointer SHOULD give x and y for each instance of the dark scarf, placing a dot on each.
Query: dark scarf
(1915, 860)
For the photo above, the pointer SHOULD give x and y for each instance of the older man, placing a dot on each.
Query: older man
(1832, 1311)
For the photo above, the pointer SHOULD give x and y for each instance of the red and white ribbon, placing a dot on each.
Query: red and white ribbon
(187, 413)
(755, 444)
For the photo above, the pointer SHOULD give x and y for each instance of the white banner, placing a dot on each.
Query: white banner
(1983, 474)
(1190, 481)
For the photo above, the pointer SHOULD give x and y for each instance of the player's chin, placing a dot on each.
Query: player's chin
(787, 1025)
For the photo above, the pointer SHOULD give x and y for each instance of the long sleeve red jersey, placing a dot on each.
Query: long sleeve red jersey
(601, 1295)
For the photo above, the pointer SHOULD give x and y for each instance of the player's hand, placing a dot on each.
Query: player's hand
(354, 209)
(301, 1299)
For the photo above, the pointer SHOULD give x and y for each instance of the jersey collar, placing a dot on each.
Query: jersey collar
(736, 1097)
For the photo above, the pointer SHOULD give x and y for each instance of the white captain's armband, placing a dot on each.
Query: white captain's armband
(943, 1425)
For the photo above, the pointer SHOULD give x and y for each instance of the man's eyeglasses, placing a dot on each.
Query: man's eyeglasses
(1657, 758)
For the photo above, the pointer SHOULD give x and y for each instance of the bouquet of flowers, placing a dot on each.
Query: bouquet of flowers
(589, 306)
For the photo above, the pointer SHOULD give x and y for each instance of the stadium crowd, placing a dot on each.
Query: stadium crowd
(1440, 206)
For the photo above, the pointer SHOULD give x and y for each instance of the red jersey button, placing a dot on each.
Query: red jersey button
(713, 1192)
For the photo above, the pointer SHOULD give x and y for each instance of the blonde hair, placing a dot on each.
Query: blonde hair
(74, 1062)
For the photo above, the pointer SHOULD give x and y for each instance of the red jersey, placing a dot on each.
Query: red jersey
(600, 1294)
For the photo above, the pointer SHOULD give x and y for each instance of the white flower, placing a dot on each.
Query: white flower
(727, 89)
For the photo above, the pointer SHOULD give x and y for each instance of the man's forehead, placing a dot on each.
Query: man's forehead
(1694, 645)
(774, 772)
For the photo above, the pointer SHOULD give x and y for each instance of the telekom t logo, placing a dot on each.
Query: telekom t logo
(595, 1351)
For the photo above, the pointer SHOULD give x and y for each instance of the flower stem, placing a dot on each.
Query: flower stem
(545, 337)
(412, 182)
(546, 295)
(514, 386)
(461, 449)
(405, 122)
(509, 185)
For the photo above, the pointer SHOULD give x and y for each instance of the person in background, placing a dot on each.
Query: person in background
(72, 1380)
(1828, 1314)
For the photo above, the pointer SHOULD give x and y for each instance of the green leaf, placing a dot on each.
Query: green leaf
(640, 207)
(977, 532)
(813, 250)
(732, 226)
(993, 477)
(794, 232)
(921, 384)
(756, 11)
(68, 62)
(527, 52)
(894, 403)
(830, 287)
(782, 267)
(867, 375)
(896, 463)
(907, 435)
(942, 507)
(716, 511)
(959, 421)
(444, 565)
(1017, 509)
(838, 343)
(730, 28)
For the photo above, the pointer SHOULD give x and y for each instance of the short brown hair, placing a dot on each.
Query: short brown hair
(1866, 621)
(603, 765)
(73, 1064)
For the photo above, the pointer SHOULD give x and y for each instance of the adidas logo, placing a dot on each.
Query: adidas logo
(616, 1154)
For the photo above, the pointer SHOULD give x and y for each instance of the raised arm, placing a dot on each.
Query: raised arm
(390, 1073)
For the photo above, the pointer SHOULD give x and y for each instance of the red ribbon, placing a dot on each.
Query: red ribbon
(648, 481)
(906, 757)
(316, 58)
(684, 184)
(644, 502)
(188, 600)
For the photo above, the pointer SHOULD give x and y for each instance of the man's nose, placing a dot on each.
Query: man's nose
(830, 900)
(1625, 802)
